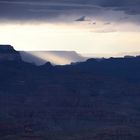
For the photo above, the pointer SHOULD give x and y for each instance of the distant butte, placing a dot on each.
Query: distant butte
(7, 52)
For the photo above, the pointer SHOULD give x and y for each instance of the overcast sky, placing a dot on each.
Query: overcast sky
(86, 26)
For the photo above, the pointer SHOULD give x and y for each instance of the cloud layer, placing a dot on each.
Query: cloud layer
(67, 10)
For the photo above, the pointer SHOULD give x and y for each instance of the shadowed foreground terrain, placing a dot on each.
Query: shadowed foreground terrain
(92, 100)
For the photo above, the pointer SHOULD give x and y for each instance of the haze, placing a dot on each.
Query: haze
(97, 27)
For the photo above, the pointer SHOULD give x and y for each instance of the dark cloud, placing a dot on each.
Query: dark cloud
(83, 18)
(53, 9)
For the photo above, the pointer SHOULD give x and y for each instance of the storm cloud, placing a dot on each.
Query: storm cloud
(68, 10)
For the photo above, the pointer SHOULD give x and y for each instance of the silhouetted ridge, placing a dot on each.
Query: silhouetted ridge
(8, 53)
(98, 99)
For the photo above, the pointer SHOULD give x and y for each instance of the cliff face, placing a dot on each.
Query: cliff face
(7, 53)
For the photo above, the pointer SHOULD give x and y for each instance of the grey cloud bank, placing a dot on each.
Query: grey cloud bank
(55, 9)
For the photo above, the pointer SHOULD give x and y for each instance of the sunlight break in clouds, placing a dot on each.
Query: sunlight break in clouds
(85, 26)
(81, 37)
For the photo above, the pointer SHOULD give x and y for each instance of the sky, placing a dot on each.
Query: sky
(104, 27)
